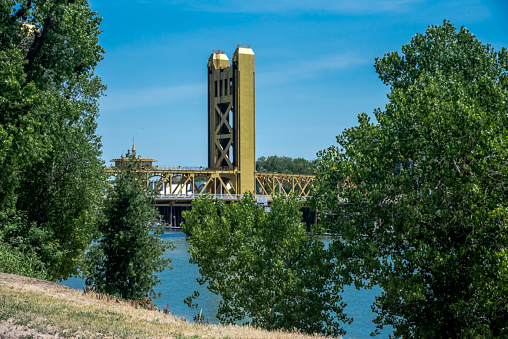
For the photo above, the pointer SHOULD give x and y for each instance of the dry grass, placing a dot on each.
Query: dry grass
(31, 308)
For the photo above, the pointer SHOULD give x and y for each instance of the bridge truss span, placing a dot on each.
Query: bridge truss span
(272, 183)
(184, 184)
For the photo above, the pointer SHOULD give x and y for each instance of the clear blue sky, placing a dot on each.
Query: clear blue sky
(314, 66)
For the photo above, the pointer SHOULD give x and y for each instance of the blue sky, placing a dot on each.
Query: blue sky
(314, 66)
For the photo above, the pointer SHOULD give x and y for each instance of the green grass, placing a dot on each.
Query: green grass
(51, 316)
(182, 336)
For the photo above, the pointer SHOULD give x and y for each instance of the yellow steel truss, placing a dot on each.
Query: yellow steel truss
(272, 183)
(178, 183)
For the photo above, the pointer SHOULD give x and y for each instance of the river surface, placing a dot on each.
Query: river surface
(179, 283)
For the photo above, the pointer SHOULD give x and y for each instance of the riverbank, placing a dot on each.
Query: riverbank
(31, 308)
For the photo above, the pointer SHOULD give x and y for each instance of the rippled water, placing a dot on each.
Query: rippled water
(179, 283)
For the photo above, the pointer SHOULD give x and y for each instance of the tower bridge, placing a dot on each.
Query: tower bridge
(231, 169)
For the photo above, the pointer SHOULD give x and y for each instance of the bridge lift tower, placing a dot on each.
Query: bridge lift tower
(231, 169)
(231, 117)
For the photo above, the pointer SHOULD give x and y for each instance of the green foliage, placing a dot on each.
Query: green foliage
(52, 173)
(25, 263)
(283, 164)
(419, 198)
(36, 245)
(265, 266)
(125, 259)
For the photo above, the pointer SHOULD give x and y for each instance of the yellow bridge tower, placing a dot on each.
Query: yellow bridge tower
(231, 169)
(231, 116)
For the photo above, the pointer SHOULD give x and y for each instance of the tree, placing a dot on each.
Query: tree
(265, 266)
(419, 198)
(52, 176)
(125, 259)
(283, 164)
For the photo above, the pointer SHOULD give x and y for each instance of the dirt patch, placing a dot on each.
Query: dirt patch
(9, 330)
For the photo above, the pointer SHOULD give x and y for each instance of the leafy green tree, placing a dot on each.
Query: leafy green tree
(52, 175)
(125, 259)
(17, 123)
(284, 164)
(419, 197)
(26, 250)
(265, 266)
(23, 259)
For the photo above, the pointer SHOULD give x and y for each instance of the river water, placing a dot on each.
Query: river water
(179, 283)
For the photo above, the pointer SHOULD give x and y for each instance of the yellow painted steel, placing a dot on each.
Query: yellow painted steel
(245, 151)
(278, 183)
(220, 112)
(184, 184)
(231, 168)
(231, 115)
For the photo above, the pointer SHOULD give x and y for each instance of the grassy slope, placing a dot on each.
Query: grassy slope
(31, 308)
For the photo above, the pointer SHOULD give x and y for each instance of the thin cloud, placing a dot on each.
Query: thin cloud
(158, 96)
(296, 71)
(151, 97)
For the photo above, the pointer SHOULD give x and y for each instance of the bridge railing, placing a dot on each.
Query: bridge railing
(179, 168)
(227, 197)
(213, 196)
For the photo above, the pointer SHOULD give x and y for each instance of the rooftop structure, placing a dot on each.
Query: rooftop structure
(143, 162)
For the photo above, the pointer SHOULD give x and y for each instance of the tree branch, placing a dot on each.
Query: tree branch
(22, 10)
(37, 44)
(457, 167)
(20, 13)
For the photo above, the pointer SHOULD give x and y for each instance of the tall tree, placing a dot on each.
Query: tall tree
(52, 176)
(420, 197)
(125, 259)
(265, 266)
(284, 164)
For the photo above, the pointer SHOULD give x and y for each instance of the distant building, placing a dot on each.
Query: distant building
(143, 162)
